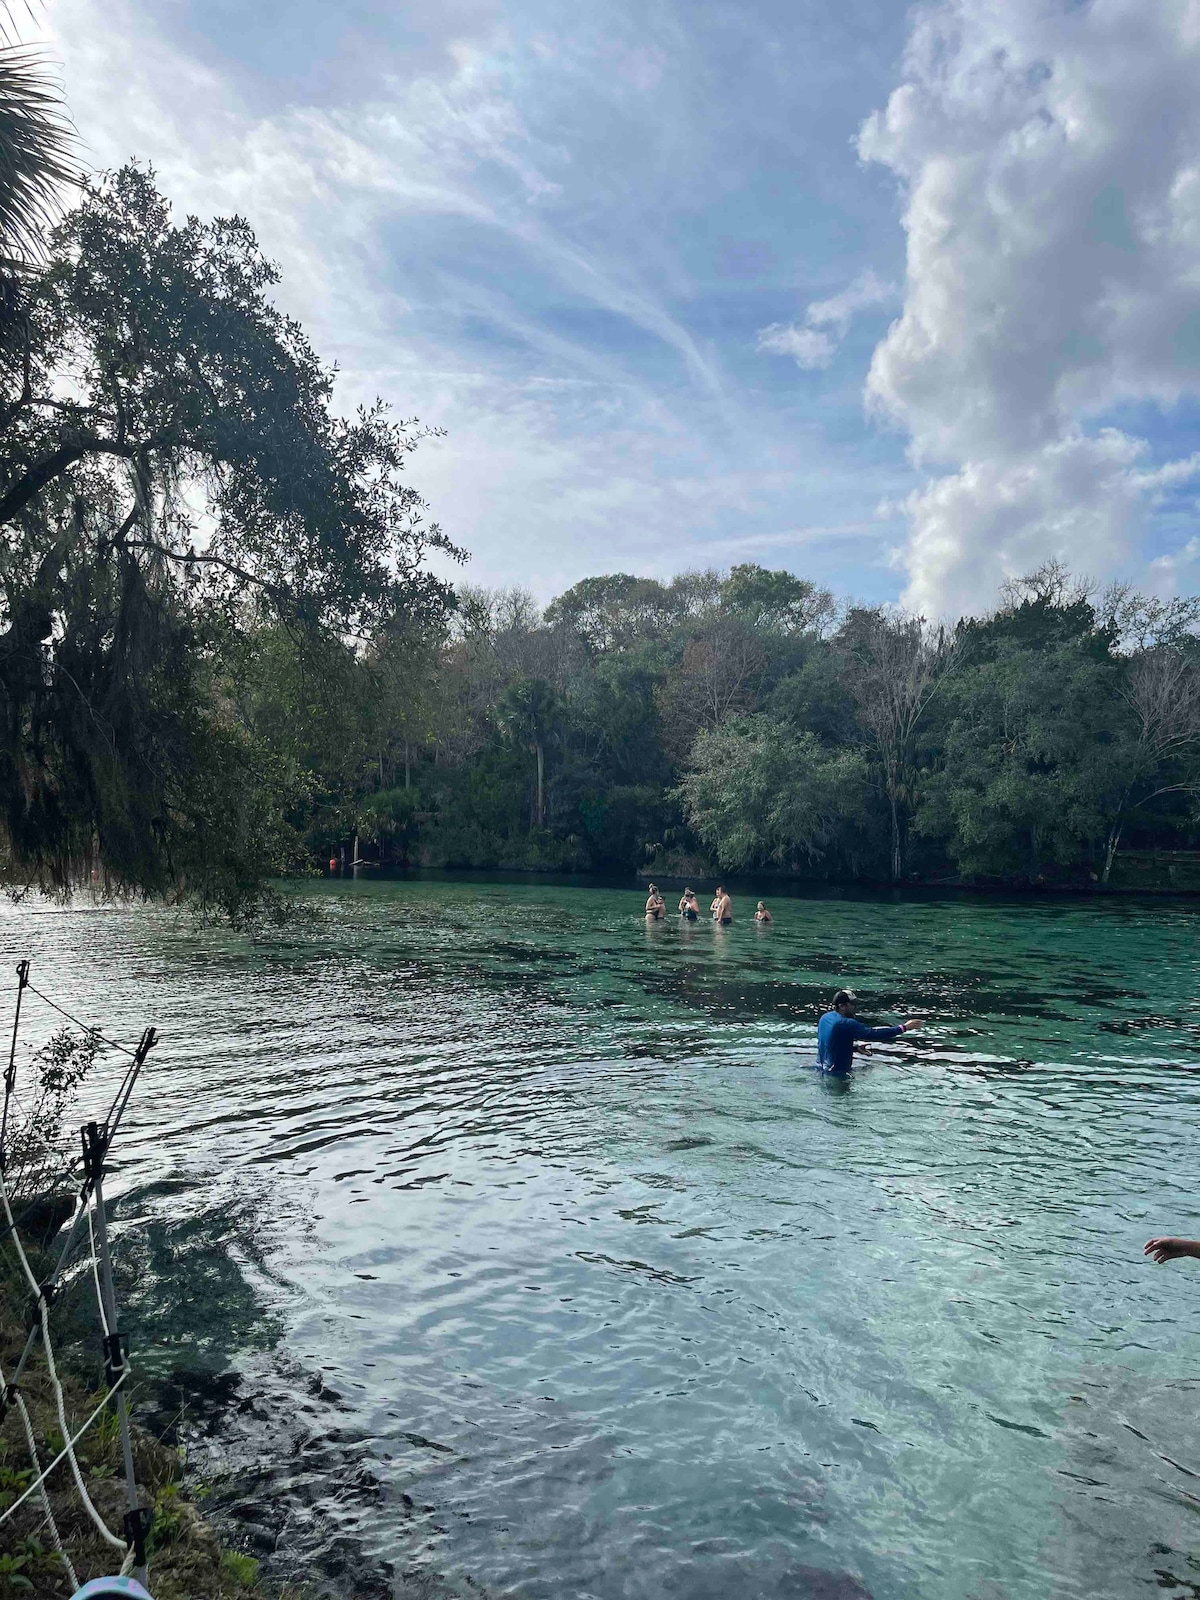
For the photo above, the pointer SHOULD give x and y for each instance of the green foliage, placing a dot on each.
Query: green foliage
(636, 721)
(36, 1162)
(13, 1483)
(175, 480)
(14, 1579)
(777, 601)
(242, 1569)
(168, 1519)
(36, 146)
(759, 793)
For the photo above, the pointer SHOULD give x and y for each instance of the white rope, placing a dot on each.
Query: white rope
(96, 1276)
(45, 1498)
(102, 1527)
(68, 1450)
(42, 1293)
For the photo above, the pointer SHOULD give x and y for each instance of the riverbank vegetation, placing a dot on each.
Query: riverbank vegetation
(747, 721)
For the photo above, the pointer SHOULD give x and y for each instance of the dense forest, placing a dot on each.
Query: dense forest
(747, 720)
(224, 654)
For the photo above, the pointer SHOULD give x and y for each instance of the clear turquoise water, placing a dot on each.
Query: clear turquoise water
(625, 1298)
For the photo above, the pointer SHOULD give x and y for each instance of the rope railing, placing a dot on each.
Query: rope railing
(97, 1138)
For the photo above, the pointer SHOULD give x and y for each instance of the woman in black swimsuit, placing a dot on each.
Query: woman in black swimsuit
(656, 906)
(688, 909)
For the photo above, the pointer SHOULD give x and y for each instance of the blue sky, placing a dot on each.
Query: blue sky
(898, 299)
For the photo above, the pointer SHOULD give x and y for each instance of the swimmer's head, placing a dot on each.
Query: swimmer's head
(845, 1001)
(761, 907)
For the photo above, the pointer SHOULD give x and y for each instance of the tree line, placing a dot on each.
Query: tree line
(745, 721)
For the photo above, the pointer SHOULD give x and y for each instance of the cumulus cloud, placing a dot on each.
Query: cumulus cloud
(811, 344)
(1050, 157)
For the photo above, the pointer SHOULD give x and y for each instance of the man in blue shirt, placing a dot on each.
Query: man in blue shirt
(838, 1029)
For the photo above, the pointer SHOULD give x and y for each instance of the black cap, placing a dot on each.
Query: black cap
(844, 997)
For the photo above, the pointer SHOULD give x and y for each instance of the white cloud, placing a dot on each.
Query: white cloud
(1050, 153)
(461, 238)
(809, 344)
(808, 347)
(866, 292)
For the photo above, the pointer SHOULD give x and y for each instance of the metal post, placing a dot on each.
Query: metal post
(95, 1137)
(10, 1074)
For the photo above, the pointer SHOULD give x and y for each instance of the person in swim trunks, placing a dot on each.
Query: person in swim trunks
(656, 906)
(839, 1030)
(687, 905)
(722, 908)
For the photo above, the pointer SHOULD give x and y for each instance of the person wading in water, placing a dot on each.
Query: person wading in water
(656, 906)
(839, 1030)
(722, 908)
(687, 905)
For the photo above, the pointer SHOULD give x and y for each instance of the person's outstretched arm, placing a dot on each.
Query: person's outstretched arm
(1169, 1249)
(861, 1031)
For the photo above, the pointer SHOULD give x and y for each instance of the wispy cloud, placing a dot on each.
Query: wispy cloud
(521, 224)
(814, 341)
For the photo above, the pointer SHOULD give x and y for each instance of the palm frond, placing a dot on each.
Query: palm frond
(36, 145)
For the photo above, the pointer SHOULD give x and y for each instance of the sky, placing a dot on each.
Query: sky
(905, 300)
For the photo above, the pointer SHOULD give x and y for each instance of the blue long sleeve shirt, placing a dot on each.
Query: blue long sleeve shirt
(835, 1040)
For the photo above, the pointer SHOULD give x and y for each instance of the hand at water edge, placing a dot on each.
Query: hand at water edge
(1170, 1249)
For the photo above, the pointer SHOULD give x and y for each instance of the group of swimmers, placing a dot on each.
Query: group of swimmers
(721, 909)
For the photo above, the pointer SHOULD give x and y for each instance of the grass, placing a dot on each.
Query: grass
(186, 1559)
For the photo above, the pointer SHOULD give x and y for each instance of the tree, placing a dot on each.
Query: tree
(758, 793)
(721, 674)
(1054, 741)
(527, 713)
(1027, 753)
(36, 150)
(613, 612)
(893, 668)
(777, 601)
(173, 475)
(1160, 754)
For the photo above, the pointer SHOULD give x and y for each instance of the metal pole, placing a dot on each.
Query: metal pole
(10, 1074)
(116, 1358)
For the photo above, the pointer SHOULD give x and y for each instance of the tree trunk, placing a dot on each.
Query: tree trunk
(897, 854)
(1110, 851)
(407, 773)
(540, 807)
